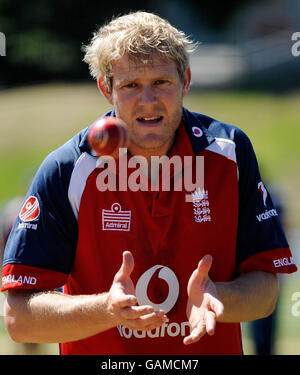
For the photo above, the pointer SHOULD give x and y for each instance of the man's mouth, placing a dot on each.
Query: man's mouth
(150, 121)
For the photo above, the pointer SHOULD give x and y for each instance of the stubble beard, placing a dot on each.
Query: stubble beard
(153, 142)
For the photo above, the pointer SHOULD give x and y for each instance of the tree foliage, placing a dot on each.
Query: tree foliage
(44, 37)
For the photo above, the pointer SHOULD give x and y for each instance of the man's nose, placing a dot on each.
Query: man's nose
(147, 95)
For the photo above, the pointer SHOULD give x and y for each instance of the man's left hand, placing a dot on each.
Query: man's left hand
(204, 306)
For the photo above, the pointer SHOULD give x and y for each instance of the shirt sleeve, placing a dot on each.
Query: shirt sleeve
(41, 247)
(261, 242)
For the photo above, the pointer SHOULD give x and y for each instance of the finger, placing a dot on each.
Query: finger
(125, 300)
(150, 327)
(127, 265)
(204, 266)
(201, 272)
(149, 321)
(210, 321)
(153, 318)
(194, 337)
(135, 312)
(196, 334)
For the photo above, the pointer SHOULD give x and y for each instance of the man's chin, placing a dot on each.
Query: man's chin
(150, 143)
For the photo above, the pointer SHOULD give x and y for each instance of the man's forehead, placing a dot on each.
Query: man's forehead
(130, 64)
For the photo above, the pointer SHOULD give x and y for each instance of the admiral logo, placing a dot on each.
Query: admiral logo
(27, 226)
(116, 219)
(30, 210)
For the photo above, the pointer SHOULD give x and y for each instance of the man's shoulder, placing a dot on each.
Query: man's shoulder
(205, 131)
(56, 169)
(59, 165)
(214, 128)
(65, 156)
(70, 151)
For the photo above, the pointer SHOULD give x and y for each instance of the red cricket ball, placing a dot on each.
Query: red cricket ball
(107, 135)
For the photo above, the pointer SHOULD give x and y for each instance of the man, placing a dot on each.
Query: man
(191, 270)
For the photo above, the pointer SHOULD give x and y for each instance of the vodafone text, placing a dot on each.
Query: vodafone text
(167, 329)
(267, 215)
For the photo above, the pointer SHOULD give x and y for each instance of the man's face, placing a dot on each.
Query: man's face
(148, 98)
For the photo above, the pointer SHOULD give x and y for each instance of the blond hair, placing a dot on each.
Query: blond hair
(136, 34)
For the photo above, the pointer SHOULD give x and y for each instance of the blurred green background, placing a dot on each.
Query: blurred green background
(244, 73)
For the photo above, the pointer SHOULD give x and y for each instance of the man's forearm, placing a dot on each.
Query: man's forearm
(55, 317)
(251, 296)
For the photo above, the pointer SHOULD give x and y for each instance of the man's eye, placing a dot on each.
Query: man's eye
(160, 81)
(130, 85)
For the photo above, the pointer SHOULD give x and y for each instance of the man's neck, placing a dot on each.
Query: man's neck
(148, 153)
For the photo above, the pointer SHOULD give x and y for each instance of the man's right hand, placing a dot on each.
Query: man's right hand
(122, 302)
(50, 316)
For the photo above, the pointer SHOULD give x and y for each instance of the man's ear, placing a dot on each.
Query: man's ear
(187, 81)
(103, 88)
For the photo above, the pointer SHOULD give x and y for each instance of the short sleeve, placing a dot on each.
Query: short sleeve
(41, 247)
(261, 242)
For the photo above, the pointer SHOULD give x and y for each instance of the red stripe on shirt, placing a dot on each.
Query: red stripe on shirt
(275, 261)
(19, 276)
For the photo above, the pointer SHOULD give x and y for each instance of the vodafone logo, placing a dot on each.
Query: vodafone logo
(263, 191)
(30, 210)
(165, 274)
(157, 278)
